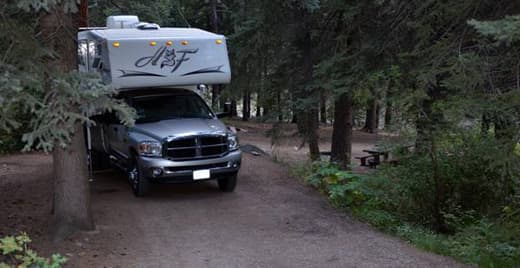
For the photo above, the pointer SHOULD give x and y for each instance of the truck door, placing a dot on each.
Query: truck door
(117, 136)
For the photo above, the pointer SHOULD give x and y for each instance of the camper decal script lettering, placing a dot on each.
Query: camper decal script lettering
(166, 58)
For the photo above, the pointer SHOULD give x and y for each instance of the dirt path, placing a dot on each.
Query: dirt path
(272, 220)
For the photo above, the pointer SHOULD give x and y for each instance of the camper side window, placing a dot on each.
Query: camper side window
(82, 56)
(94, 56)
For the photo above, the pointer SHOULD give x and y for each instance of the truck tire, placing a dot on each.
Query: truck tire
(228, 184)
(139, 183)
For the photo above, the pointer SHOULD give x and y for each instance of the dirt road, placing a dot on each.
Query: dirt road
(272, 220)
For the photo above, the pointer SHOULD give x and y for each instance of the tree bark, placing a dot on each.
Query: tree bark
(234, 109)
(258, 107)
(279, 105)
(371, 117)
(313, 135)
(246, 106)
(215, 89)
(214, 15)
(341, 148)
(428, 120)
(71, 202)
(388, 114)
(389, 105)
(72, 210)
(323, 108)
(310, 114)
(486, 124)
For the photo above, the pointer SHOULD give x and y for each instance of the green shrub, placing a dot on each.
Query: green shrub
(15, 252)
(480, 203)
(11, 141)
(477, 176)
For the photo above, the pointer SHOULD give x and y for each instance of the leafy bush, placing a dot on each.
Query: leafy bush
(11, 141)
(479, 204)
(14, 252)
(477, 176)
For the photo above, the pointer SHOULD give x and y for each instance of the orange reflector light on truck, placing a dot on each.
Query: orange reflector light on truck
(184, 43)
(219, 41)
(169, 43)
(115, 44)
(153, 43)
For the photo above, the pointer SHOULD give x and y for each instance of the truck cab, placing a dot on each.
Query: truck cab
(176, 138)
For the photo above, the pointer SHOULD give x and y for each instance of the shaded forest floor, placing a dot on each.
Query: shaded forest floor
(272, 220)
(283, 142)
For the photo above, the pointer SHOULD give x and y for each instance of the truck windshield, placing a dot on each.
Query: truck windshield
(166, 107)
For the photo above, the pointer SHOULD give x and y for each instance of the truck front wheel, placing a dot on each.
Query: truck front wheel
(228, 184)
(139, 183)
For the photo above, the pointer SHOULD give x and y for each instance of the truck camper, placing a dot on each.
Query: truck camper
(176, 138)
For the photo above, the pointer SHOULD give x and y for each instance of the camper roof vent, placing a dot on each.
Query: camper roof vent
(122, 22)
(147, 26)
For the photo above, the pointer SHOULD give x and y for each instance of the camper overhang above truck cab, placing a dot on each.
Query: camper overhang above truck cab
(131, 54)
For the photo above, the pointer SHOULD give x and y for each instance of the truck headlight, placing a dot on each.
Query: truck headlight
(233, 142)
(150, 148)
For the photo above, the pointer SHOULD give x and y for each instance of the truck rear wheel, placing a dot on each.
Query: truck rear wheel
(140, 184)
(228, 184)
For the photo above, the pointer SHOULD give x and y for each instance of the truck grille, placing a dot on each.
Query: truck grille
(197, 147)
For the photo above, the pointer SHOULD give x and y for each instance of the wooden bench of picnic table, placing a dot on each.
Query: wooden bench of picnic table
(378, 153)
(363, 159)
(376, 157)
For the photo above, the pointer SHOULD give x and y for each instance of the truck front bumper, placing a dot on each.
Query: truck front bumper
(167, 171)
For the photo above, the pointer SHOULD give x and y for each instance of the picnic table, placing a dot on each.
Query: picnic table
(378, 153)
(375, 154)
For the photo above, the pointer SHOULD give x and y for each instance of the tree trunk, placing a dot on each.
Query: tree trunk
(72, 211)
(388, 114)
(428, 120)
(378, 111)
(389, 105)
(486, 124)
(438, 222)
(313, 135)
(323, 108)
(222, 101)
(371, 117)
(234, 109)
(310, 114)
(294, 119)
(341, 148)
(279, 105)
(214, 16)
(215, 89)
(246, 106)
(258, 108)
(71, 202)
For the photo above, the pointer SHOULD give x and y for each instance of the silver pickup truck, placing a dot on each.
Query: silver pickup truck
(176, 138)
